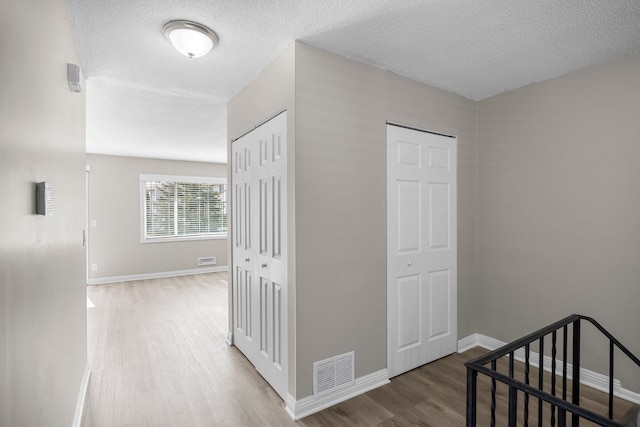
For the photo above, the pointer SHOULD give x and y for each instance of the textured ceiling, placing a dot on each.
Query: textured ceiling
(145, 99)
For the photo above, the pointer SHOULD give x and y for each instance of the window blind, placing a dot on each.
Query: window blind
(175, 209)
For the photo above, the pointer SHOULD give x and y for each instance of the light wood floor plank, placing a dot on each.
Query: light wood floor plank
(159, 358)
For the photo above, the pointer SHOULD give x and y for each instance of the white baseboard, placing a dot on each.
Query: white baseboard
(478, 340)
(311, 404)
(229, 339)
(587, 377)
(629, 395)
(159, 275)
(82, 394)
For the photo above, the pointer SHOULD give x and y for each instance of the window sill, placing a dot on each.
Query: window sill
(183, 239)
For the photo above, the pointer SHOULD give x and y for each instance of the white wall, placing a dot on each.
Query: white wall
(114, 203)
(43, 347)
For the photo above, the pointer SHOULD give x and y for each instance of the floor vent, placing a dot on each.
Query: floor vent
(333, 374)
(207, 260)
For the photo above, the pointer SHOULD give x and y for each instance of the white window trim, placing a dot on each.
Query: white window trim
(144, 177)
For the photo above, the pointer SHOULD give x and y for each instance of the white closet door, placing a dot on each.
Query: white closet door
(243, 159)
(421, 248)
(260, 250)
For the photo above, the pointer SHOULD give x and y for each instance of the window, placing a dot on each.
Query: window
(182, 208)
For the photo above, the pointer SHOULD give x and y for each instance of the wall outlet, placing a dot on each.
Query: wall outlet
(94, 267)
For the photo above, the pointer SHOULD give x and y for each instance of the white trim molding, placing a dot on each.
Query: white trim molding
(158, 275)
(478, 340)
(467, 343)
(298, 409)
(144, 177)
(82, 394)
(587, 377)
(229, 339)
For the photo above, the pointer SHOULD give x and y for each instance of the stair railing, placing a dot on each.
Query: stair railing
(557, 398)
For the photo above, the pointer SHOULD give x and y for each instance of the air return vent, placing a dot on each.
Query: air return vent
(211, 260)
(333, 374)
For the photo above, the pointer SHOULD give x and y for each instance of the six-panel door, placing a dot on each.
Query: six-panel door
(421, 248)
(259, 249)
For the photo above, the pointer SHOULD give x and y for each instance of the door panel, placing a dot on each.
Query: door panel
(243, 259)
(439, 205)
(421, 248)
(246, 215)
(408, 223)
(439, 291)
(408, 312)
(260, 249)
(247, 309)
(264, 315)
(277, 217)
(239, 291)
(277, 324)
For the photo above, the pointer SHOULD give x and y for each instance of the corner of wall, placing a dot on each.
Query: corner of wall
(82, 395)
(476, 285)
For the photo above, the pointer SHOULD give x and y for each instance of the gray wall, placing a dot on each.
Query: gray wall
(559, 205)
(43, 348)
(341, 111)
(114, 202)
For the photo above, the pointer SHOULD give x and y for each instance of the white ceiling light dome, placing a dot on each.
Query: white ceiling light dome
(190, 38)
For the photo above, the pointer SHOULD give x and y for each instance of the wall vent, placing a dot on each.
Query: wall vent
(210, 260)
(333, 374)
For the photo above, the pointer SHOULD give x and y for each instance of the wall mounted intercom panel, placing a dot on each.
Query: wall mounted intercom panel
(44, 198)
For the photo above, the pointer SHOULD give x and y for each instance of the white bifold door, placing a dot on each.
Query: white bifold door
(421, 247)
(259, 196)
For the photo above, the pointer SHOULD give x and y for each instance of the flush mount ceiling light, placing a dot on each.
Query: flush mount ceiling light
(189, 38)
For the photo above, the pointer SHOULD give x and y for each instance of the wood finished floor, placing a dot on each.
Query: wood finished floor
(158, 358)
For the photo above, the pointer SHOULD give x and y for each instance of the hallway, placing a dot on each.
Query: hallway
(159, 358)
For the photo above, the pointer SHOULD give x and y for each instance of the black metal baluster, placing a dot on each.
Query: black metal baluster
(471, 397)
(553, 375)
(540, 379)
(610, 379)
(513, 396)
(562, 417)
(564, 362)
(575, 392)
(493, 395)
(526, 381)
